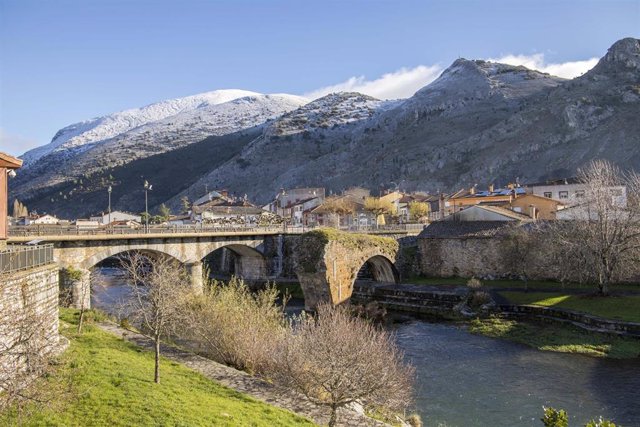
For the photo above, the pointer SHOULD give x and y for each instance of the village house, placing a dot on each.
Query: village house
(38, 220)
(341, 211)
(472, 196)
(116, 216)
(571, 191)
(7, 166)
(86, 224)
(294, 205)
(536, 207)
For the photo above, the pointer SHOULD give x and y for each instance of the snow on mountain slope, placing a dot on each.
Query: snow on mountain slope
(330, 111)
(79, 136)
(190, 126)
(117, 139)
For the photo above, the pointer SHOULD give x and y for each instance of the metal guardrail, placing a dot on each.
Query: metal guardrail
(21, 257)
(31, 231)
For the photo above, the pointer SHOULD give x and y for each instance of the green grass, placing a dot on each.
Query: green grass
(565, 339)
(112, 385)
(516, 284)
(626, 308)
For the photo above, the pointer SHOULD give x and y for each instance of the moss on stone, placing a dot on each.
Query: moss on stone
(311, 246)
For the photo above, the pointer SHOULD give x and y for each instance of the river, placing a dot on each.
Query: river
(466, 380)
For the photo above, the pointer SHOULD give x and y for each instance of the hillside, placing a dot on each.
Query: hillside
(479, 122)
(85, 149)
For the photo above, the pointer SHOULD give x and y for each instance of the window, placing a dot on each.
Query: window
(563, 194)
(579, 194)
(548, 194)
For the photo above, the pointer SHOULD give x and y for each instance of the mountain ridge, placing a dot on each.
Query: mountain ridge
(478, 122)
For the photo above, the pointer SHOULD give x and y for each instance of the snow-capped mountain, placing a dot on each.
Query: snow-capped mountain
(98, 129)
(113, 140)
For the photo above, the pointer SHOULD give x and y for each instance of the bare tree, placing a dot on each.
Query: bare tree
(601, 242)
(336, 359)
(159, 288)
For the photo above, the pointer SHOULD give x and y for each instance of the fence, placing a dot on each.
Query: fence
(19, 257)
(53, 230)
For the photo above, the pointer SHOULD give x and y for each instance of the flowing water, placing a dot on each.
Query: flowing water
(466, 380)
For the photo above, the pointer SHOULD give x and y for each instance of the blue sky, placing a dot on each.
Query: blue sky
(64, 61)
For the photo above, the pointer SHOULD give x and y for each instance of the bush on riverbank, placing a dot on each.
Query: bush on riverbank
(550, 337)
(559, 418)
(235, 326)
(334, 359)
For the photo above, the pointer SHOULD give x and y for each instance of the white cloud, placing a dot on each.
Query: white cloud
(15, 144)
(568, 70)
(400, 84)
(406, 81)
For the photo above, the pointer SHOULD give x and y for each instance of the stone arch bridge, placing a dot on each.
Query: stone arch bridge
(327, 275)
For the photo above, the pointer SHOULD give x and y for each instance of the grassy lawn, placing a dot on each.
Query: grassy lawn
(565, 339)
(111, 384)
(626, 308)
(515, 284)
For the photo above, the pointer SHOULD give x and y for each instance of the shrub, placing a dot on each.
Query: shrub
(555, 418)
(337, 359)
(414, 420)
(235, 326)
(600, 423)
(479, 298)
(474, 284)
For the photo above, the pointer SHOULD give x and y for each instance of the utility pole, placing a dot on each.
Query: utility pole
(109, 191)
(147, 188)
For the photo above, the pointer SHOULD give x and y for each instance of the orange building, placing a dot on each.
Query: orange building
(537, 207)
(7, 163)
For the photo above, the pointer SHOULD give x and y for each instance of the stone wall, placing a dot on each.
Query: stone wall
(28, 316)
(464, 257)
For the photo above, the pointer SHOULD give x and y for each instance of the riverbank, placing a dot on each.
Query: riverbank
(105, 380)
(558, 338)
(556, 328)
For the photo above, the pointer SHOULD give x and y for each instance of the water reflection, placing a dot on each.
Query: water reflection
(466, 380)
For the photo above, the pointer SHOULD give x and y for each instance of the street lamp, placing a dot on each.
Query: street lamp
(109, 191)
(147, 188)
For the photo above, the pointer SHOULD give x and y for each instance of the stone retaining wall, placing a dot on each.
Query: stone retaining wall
(28, 316)
(408, 298)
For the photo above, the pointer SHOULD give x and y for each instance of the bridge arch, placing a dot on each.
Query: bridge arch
(328, 263)
(378, 268)
(114, 251)
(239, 259)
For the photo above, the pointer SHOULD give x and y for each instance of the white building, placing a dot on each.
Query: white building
(44, 219)
(86, 224)
(572, 192)
(116, 216)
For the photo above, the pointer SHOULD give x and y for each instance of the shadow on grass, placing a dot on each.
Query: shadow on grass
(565, 339)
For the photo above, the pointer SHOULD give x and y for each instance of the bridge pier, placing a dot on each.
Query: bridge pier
(195, 272)
(78, 283)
